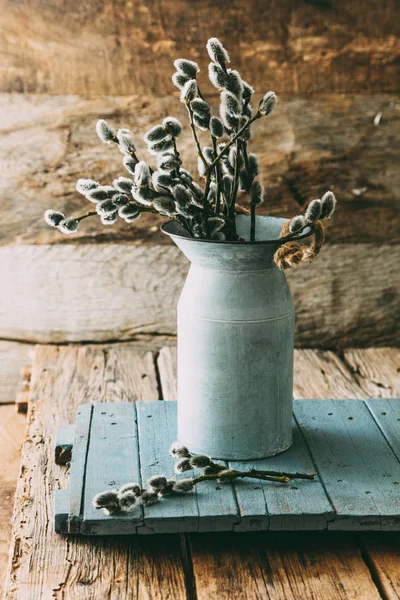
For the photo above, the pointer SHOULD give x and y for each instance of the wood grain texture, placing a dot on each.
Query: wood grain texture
(108, 292)
(311, 144)
(13, 357)
(355, 463)
(43, 564)
(129, 47)
(241, 566)
(12, 435)
(280, 566)
(377, 370)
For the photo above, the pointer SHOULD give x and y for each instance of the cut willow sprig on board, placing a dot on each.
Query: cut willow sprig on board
(131, 495)
(226, 167)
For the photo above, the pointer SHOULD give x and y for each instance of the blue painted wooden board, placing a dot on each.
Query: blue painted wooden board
(353, 445)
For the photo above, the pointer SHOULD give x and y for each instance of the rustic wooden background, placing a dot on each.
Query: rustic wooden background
(335, 66)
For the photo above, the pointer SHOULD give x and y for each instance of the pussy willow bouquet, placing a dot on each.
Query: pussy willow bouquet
(226, 167)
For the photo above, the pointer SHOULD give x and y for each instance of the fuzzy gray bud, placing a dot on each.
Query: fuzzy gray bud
(256, 192)
(179, 80)
(107, 500)
(164, 205)
(123, 184)
(142, 173)
(53, 217)
(155, 134)
(172, 126)
(101, 193)
(132, 218)
(143, 195)
(297, 224)
(248, 91)
(149, 497)
(217, 52)
(189, 91)
(216, 127)
(162, 146)
(105, 132)
(128, 211)
(158, 482)
(167, 162)
(85, 185)
(183, 465)
(200, 460)
(183, 486)
(105, 208)
(161, 180)
(179, 450)
(125, 141)
(267, 104)
(188, 68)
(217, 76)
(235, 84)
(68, 226)
(181, 194)
(230, 104)
(109, 219)
(200, 107)
(129, 164)
(130, 487)
(128, 502)
(253, 165)
(202, 123)
(328, 201)
(313, 211)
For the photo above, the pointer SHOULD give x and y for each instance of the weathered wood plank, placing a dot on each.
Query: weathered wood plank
(12, 435)
(210, 507)
(311, 144)
(167, 368)
(41, 562)
(108, 292)
(63, 444)
(280, 566)
(319, 374)
(112, 460)
(300, 505)
(78, 466)
(377, 370)
(13, 357)
(355, 463)
(120, 49)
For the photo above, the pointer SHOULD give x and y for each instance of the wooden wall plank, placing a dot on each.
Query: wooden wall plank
(112, 460)
(166, 364)
(107, 292)
(376, 369)
(354, 462)
(125, 48)
(41, 562)
(311, 144)
(210, 506)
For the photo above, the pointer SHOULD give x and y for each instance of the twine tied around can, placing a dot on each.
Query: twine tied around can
(292, 253)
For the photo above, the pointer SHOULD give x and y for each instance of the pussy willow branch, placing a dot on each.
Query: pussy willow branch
(217, 177)
(196, 140)
(233, 140)
(232, 474)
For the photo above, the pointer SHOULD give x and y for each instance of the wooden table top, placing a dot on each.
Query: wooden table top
(187, 566)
